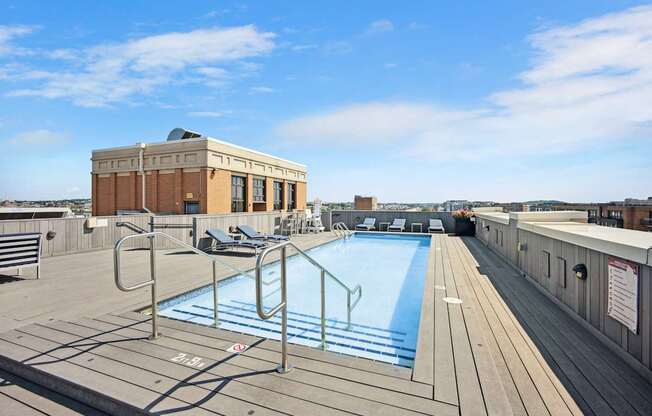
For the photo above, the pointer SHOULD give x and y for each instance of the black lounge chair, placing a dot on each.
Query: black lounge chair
(223, 241)
(252, 234)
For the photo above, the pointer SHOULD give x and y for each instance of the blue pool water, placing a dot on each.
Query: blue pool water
(390, 268)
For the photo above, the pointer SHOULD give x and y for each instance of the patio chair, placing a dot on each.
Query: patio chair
(436, 226)
(367, 225)
(252, 234)
(397, 225)
(223, 241)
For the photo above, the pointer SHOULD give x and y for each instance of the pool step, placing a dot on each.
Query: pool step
(306, 331)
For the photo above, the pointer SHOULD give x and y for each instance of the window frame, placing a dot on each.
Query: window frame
(258, 188)
(291, 196)
(238, 205)
(278, 191)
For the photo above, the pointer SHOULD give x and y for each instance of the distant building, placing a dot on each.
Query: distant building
(455, 204)
(633, 214)
(515, 207)
(34, 213)
(366, 203)
(194, 174)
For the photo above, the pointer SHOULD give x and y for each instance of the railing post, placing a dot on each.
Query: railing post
(323, 309)
(152, 268)
(348, 309)
(215, 312)
(284, 367)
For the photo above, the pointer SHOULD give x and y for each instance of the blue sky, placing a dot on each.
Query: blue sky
(409, 101)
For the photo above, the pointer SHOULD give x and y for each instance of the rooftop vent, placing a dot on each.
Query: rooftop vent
(182, 134)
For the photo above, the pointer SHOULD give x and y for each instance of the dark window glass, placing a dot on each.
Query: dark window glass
(259, 190)
(278, 195)
(191, 207)
(238, 192)
(292, 201)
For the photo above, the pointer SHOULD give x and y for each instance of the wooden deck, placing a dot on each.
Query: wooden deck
(506, 349)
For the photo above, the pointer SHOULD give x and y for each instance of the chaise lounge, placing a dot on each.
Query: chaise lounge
(367, 225)
(252, 234)
(223, 241)
(397, 225)
(436, 226)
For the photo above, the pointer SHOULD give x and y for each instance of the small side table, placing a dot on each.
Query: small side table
(386, 224)
(414, 225)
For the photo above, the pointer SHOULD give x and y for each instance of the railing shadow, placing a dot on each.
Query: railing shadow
(210, 393)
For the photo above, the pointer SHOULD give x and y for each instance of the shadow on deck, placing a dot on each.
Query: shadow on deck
(600, 382)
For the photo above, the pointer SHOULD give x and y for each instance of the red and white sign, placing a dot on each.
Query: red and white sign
(622, 295)
(237, 348)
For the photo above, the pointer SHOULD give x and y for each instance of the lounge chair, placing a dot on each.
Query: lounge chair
(367, 225)
(223, 241)
(252, 234)
(397, 225)
(435, 226)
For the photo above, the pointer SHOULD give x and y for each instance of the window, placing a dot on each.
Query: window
(545, 263)
(501, 238)
(593, 213)
(278, 196)
(238, 192)
(615, 214)
(191, 207)
(259, 190)
(292, 201)
(561, 264)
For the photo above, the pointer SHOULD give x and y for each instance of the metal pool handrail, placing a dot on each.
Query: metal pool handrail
(284, 367)
(341, 230)
(152, 267)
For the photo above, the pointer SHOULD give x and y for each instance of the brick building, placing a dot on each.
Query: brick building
(633, 214)
(194, 174)
(368, 203)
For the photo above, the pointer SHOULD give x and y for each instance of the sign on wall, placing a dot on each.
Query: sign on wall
(622, 296)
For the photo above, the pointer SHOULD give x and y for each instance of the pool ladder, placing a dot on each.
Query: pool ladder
(341, 230)
(152, 237)
(285, 367)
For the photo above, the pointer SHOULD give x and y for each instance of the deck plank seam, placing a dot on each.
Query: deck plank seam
(296, 381)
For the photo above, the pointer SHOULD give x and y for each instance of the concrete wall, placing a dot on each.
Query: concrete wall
(585, 299)
(353, 217)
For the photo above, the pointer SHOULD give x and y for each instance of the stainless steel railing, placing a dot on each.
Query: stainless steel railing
(284, 367)
(152, 236)
(341, 230)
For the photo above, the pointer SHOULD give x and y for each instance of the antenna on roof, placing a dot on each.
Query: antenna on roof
(182, 134)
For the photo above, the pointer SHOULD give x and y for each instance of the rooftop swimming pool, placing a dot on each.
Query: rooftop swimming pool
(391, 269)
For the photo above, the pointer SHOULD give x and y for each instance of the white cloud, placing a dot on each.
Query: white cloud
(110, 73)
(7, 33)
(40, 137)
(261, 90)
(589, 83)
(380, 26)
(209, 114)
(304, 47)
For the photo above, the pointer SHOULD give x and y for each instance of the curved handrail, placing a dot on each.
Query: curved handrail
(341, 230)
(186, 246)
(350, 306)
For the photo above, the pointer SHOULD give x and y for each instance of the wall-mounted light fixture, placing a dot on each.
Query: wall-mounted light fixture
(580, 271)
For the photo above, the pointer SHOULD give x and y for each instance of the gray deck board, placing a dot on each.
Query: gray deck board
(506, 349)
